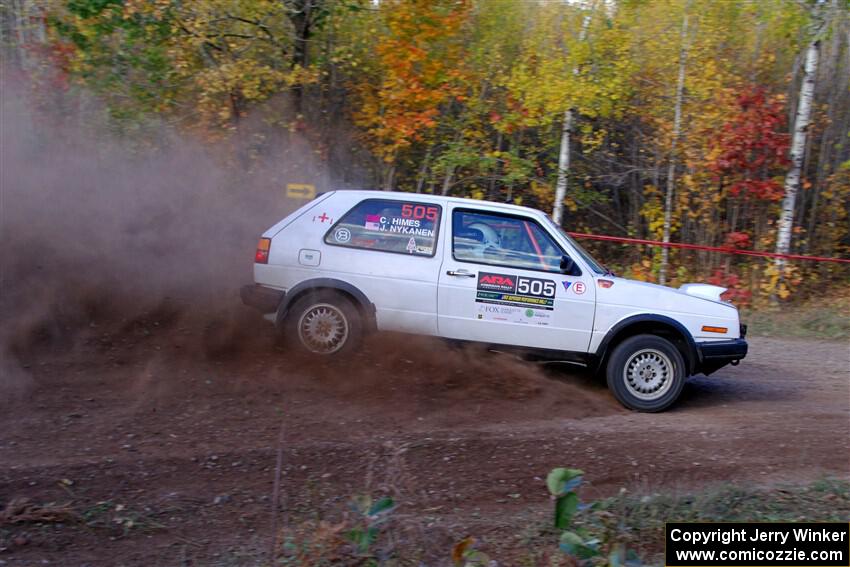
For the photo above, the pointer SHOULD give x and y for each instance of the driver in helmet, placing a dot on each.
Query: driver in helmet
(488, 245)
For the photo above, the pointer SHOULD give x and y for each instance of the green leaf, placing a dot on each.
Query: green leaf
(565, 508)
(572, 484)
(362, 539)
(371, 536)
(558, 478)
(570, 543)
(588, 551)
(356, 536)
(382, 505)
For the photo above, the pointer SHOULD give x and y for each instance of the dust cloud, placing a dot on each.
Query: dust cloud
(97, 228)
(106, 240)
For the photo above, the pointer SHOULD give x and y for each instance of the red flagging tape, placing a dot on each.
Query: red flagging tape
(724, 250)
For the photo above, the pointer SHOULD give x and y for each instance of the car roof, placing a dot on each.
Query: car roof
(397, 195)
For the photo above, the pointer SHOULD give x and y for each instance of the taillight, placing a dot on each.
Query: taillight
(262, 255)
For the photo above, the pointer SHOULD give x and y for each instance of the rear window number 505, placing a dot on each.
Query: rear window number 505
(419, 212)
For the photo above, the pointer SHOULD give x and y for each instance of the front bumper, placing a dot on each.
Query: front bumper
(715, 355)
(265, 299)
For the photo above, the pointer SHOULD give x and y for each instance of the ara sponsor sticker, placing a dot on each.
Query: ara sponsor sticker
(579, 288)
(496, 282)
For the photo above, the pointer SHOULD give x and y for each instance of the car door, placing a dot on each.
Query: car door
(501, 283)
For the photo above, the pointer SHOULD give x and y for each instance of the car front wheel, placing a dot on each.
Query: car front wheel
(323, 323)
(646, 373)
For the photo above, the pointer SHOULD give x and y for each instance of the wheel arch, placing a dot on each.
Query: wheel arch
(650, 324)
(365, 307)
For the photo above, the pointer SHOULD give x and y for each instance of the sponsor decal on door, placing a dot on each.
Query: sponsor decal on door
(510, 314)
(496, 282)
(577, 287)
(514, 299)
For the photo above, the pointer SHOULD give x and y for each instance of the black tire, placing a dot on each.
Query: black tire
(332, 319)
(646, 373)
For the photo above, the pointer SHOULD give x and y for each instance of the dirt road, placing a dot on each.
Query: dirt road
(169, 450)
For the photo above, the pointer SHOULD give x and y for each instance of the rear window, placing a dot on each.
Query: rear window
(402, 227)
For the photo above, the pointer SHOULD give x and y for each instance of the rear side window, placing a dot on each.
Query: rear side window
(403, 227)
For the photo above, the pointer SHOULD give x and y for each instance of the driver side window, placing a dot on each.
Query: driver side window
(503, 240)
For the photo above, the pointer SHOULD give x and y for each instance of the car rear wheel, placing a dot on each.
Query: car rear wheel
(324, 323)
(646, 373)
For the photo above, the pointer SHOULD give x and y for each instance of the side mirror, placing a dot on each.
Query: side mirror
(567, 264)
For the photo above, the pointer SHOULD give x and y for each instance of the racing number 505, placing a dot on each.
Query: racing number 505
(544, 288)
(419, 212)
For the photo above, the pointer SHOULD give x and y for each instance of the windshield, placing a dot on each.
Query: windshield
(585, 255)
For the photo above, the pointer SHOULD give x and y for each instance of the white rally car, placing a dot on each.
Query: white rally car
(351, 262)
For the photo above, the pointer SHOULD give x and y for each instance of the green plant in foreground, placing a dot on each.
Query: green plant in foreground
(562, 484)
(370, 515)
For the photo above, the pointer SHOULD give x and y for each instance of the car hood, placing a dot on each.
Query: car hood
(693, 298)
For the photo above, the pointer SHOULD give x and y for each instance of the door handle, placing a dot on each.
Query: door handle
(461, 273)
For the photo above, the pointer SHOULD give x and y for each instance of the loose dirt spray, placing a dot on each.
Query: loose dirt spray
(105, 238)
(99, 230)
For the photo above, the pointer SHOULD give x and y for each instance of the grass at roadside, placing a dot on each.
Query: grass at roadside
(823, 318)
(632, 523)
(638, 521)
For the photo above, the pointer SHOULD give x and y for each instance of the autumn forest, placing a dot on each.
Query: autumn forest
(721, 123)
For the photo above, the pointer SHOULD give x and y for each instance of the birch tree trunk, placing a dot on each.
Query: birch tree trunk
(563, 168)
(491, 190)
(671, 168)
(832, 71)
(423, 170)
(20, 14)
(798, 148)
(564, 154)
(388, 176)
(447, 181)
